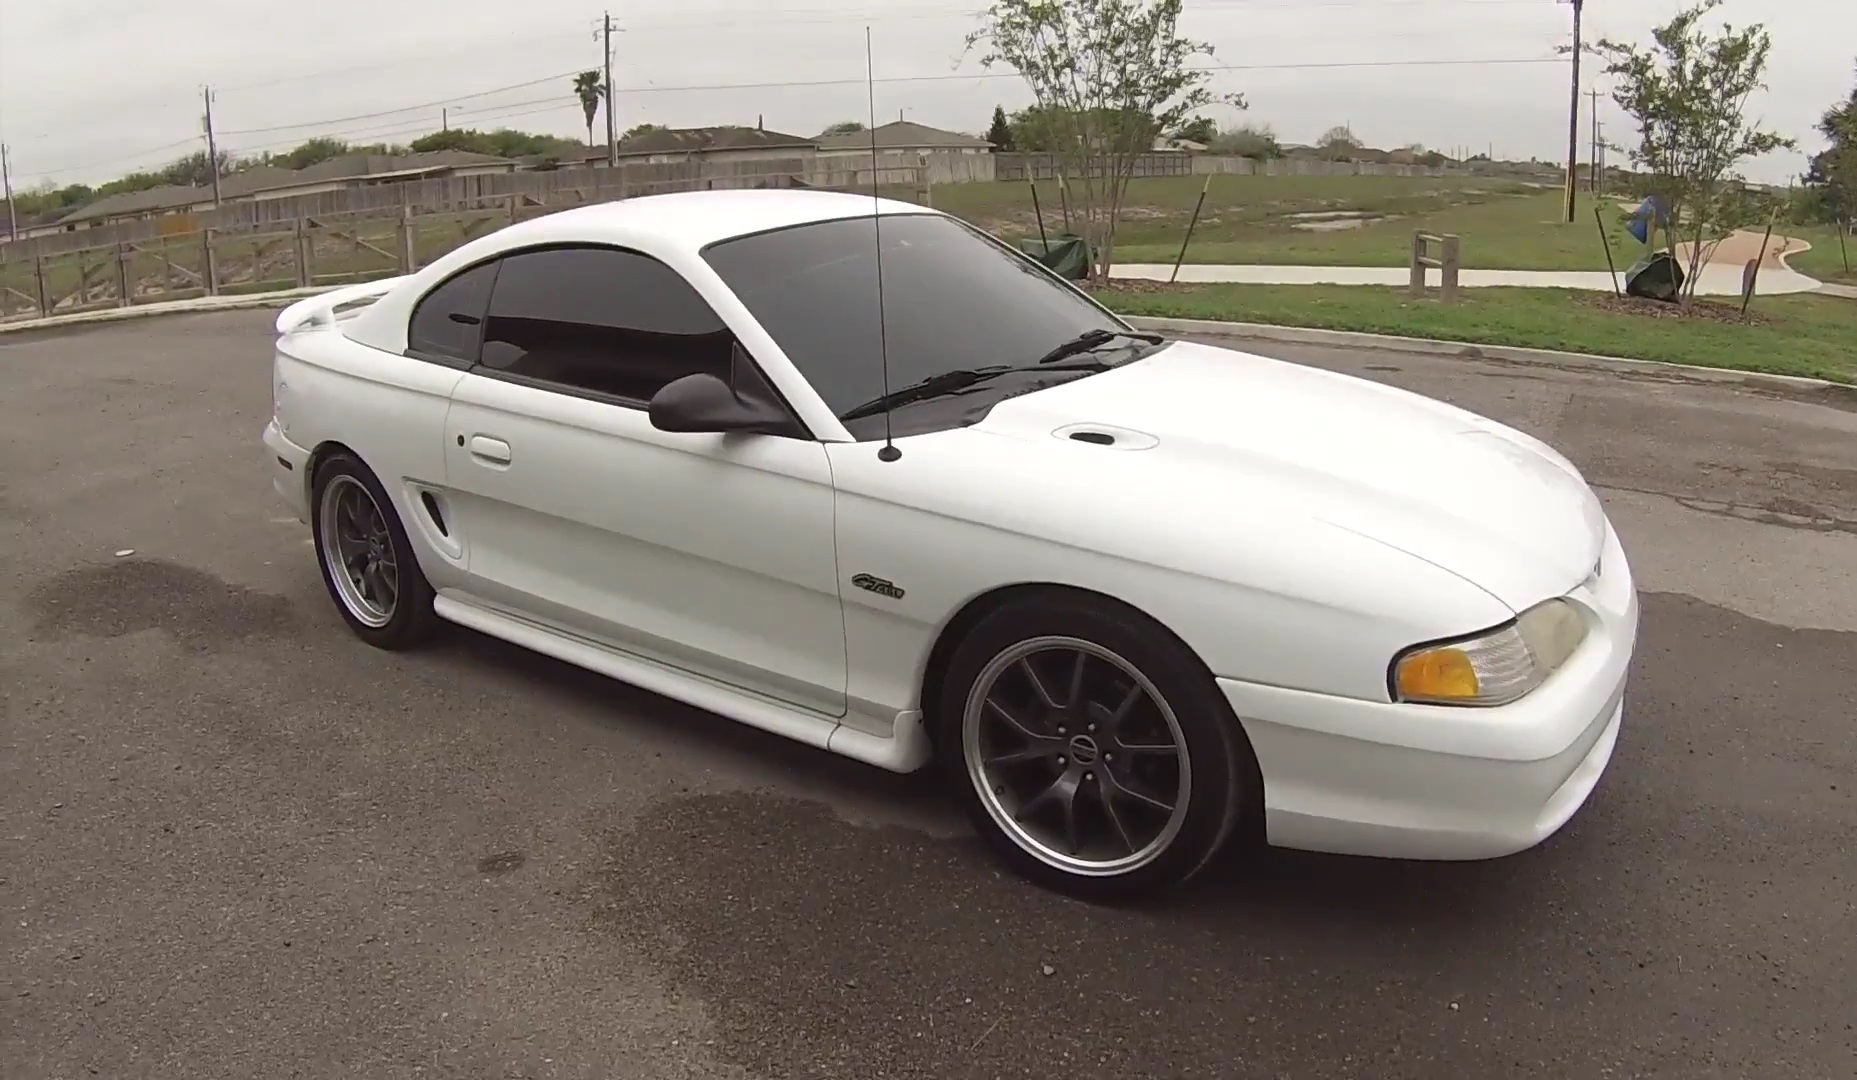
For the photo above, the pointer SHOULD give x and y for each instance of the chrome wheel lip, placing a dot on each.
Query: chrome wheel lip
(348, 584)
(978, 773)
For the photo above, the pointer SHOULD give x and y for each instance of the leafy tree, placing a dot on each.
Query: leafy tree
(999, 133)
(1256, 142)
(1109, 75)
(1688, 93)
(193, 169)
(1200, 129)
(311, 152)
(588, 89)
(640, 129)
(1831, 182)
(844, 127)
(503, 142)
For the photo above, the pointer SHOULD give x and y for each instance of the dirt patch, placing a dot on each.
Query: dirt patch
(1709, 310)
(118, 598)
(1738, 248)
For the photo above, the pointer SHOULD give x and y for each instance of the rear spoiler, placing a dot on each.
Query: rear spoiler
(319, 311)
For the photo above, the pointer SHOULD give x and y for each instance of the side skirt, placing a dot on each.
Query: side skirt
(905, 750)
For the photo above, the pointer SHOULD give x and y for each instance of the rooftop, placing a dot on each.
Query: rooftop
(902, 135)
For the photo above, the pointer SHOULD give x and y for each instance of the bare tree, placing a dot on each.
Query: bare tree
(1108, 76)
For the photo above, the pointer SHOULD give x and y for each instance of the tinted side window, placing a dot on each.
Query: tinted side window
(597, 319)
(447, 322)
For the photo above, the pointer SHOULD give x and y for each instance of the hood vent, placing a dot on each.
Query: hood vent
(1107, 436)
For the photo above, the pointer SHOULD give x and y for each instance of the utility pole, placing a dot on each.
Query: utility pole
(1573, 116)
(444, 119)
(1600, 142)
(212, 146)
(1593, 167)
(612, 131)
(6, 185)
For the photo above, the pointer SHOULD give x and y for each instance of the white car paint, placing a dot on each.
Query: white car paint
(1295, 528)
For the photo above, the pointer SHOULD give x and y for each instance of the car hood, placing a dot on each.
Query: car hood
(1482, 500)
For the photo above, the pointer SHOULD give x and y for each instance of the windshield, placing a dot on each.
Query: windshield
(953, 299)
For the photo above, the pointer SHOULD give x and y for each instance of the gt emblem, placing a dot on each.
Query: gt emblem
(872, 583)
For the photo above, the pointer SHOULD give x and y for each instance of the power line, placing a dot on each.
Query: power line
(409, 124)
(137, 156)
(407, 108)
(960, 77)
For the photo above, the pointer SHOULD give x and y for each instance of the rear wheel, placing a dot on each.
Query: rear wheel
(1092, 749)
(367, 562)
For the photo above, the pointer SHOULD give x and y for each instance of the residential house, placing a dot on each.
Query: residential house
(265, 183)
(902, 136)
(24, 225)
(725, 143)
(361, 170)
(133, 205)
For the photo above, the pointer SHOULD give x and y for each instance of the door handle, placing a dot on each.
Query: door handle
(494, 451)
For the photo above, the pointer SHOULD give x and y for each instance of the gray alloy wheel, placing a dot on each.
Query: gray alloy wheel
(1076, 756)
(357, 551)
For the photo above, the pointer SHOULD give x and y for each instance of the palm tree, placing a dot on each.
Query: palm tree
(587, 87)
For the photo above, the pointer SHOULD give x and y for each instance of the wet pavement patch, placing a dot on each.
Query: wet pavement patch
(824, 948)
(502, 862)
(132, 595)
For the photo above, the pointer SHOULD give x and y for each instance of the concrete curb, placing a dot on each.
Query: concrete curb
(196, 306)
(1349, 339)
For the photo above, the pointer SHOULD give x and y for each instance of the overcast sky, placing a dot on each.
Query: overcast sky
(90, 89)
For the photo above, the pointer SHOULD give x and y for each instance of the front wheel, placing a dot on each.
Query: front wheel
(1093, 750)
(367, 562)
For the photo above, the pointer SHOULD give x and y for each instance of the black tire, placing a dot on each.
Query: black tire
(411, 619)
(1219, 757)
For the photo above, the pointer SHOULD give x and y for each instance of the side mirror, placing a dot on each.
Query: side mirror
(704, 403)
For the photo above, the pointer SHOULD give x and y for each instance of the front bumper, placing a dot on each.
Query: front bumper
(288, 463)
(1427, 782)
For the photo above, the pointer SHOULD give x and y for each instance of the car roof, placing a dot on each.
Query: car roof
(695, 219)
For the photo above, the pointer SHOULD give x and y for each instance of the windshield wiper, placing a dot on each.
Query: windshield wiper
(1095, 339)
(953, 382)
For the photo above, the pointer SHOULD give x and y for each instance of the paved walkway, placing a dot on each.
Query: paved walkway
(1717, 280)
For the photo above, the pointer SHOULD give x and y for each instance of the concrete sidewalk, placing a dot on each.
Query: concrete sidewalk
(1717, 280)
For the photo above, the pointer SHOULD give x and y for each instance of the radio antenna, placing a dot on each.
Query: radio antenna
(889, 451)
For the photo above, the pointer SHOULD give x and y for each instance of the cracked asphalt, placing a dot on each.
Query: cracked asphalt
(234, 842)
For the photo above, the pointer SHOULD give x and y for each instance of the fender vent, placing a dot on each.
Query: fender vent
(438, 519)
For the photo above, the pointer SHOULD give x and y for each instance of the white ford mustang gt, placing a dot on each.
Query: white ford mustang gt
(1139, 597)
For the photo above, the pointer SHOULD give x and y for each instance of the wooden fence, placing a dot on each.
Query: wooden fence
(326, 249)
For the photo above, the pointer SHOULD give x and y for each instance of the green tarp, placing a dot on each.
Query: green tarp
(1066, 254)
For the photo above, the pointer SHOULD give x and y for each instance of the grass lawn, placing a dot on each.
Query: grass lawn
(1506, 224)
(1824, 261)
(1795, 335)
(1499, 232)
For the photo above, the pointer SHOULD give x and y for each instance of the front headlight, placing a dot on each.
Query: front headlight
(1493, 668)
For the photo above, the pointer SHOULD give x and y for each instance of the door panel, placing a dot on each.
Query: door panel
(712, 553)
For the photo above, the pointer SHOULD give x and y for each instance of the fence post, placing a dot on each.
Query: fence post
(408, 232)
(122, 274)
(38, 271)
(1417, 281)
(209, 265)
(303, 254)
(1448, 272)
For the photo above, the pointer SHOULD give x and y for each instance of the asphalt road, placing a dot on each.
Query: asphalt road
(234, 842)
